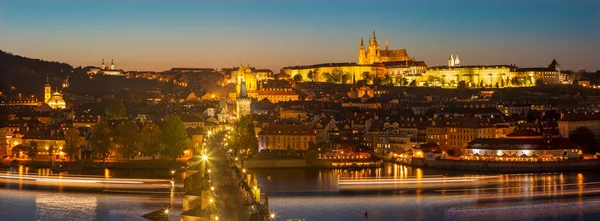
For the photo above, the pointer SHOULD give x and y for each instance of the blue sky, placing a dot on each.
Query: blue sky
(158, 35)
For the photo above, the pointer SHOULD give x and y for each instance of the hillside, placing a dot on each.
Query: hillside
(28, 75)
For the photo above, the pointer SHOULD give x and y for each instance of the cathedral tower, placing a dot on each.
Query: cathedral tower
(103, 65)
(47, 91)
(362, 54)
(112, 64)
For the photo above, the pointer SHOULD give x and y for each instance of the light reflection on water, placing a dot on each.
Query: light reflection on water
(60, 207)
(315, 195)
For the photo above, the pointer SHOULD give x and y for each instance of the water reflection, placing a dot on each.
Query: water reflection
(316, 194)
(60, 207)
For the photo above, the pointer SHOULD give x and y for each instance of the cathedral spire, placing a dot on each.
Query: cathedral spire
(374, 38)
(386, 43)
(361, 42)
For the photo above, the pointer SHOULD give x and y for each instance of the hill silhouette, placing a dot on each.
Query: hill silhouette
(28, 75)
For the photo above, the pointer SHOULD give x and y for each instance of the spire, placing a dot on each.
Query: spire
(361, 42)
(369, 41)
(374, 38)
(456, 61)
(386, 43)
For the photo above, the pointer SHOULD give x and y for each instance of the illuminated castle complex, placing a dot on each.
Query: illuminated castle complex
(374, 62)
(373, 54)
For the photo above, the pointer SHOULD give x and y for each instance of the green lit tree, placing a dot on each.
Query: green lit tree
(114, 108)
(128, 138)
(150, 139)
(174, 137)
(100, 140)
(72, 142)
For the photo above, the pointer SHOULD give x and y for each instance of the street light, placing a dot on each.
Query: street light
(272, 216)
(167, 211)
(204, 157)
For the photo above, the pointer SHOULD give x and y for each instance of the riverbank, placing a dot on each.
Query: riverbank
(300, 163)
(499, 166)
(82, 165)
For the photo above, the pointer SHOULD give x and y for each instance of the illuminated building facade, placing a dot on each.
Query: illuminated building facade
(282, 137)
(53, 99)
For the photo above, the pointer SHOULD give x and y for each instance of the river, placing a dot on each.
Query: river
(317, 195)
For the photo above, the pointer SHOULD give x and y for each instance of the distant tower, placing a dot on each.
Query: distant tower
(47, 91)
(386, 43)
(456, 61)
(554, 65)
(112, 64)
(103, 65)
(451, 61)
(243, 102)
(373, 51)
(362, 59)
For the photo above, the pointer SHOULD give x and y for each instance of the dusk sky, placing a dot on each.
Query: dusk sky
(159, 35)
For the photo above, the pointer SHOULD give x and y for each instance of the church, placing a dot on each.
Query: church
(54, 99)
(373, 53)
(105, 70)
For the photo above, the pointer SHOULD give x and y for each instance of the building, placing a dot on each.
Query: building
(569, 122)
(548, 75)
(523, 149)
(456, 132)
(373, 53)
(282, 137)
(322, 127)
(105, 70)
(53, 99)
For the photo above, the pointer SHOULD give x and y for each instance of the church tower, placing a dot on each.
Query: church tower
(451, 61)
(103, 65)
(47, 91)
(386, 43)
(362, 59)
(456, 61)
(112, 64)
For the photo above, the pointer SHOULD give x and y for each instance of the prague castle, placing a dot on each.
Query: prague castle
(403, 70)
(375, 55)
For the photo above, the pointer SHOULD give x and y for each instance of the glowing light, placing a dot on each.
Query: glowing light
(272, 215)
(243, 170)
(204, 157)
(167, 211)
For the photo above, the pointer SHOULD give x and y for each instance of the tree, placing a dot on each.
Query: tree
(337, 74)
(244, 136)
(128, 138)
(100, 140)
(311, 75)
(586, 139)
(312, 154)
(377, 81)
(174, 137)
(539, 82)
(387, 80)
(72, 142)
(329, 77)
(32, 150)
(462, 85)
(150, 139)
(114, 108)
(497, 85)
(481, 83)
(367, 76)
(297, 78)
(413, 83)
(515, 81)
(502, 83)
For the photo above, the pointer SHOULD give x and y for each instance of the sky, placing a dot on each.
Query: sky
(158, 35)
